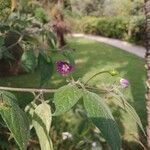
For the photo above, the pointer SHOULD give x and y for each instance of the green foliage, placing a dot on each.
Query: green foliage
(68, 54)
(97, 110)
(88, 7)
(2, 40)
(4, 4)
(4, 53)
(75, 121)
(107, 7)
(15, 119)
(65, 98)
(119, 99)
(89, 25)
(137, 28)
(52, 41)
(45, 65)
(4, 8)
(29, 60)
(23, 5)
(113, 27)
(40, 15)
(42, 121)
(100, 114)
(31, 39)
(22, 29)
(29, 109)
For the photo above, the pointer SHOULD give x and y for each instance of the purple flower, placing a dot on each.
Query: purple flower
(124, 83)
(64, 68)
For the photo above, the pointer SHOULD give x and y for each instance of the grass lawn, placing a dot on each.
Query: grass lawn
(92, 57)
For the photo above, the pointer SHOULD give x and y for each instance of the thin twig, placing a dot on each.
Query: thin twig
(27, 90)
(143, 146)
(97, 89)
(95, 76)
(14, 44)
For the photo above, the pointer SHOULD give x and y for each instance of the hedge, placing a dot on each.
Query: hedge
(131, 29)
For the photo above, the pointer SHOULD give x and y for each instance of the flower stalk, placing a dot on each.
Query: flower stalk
(106, 71)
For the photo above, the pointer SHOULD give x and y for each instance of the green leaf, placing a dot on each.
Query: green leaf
(4, 53)
(42, 121)
(29, 109)
(4, 27)
(31, 39)
(65, 98)
(52, 41)
(15, 119)
(98, 111)
(97, 147)
(120, 100)
(69, 55)
(23, 5)
(28, 60)
(40, 15)
(46, 69)
(8, 95)
(1, 41)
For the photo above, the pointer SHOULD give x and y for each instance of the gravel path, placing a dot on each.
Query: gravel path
(131, 48)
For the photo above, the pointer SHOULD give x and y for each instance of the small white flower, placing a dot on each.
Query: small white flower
(124, 83)
(66, 135)
(94, 144)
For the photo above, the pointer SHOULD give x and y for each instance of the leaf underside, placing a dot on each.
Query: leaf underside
(65, 98)
(100, 114)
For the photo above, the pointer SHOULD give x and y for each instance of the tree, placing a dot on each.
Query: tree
(147, 57)
(59, 25)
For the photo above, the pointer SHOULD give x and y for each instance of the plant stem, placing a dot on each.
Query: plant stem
(97, 89)
(14, 44)
(95, 76)
(27, 90)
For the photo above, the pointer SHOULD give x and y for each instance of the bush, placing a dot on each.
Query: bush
(137, 28)
(40, 15)
(89, 25)
(4, 8)
(131, 29)
(114, 27)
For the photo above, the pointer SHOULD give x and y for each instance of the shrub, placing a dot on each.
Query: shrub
(4, 8)
(114, 27)
(137, 28)
(131, 29)
(90, 25)
(40, 15)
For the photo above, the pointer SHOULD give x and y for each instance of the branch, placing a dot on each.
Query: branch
(27, 90)
(95, 76)
(14, 44)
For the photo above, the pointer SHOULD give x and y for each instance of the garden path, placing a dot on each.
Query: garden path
(131, 48)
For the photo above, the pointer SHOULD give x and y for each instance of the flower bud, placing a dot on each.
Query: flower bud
(113, 72)
(124, 83)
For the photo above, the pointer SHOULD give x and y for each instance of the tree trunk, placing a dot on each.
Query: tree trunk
(147, 58)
